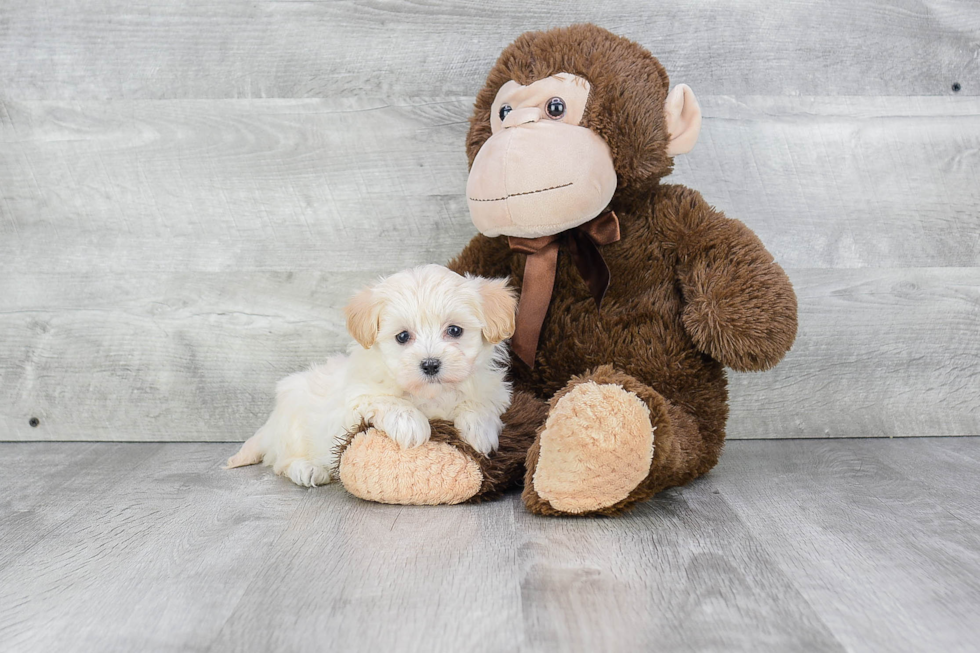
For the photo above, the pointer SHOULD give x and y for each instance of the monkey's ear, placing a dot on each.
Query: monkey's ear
(499, 308)
(363, 317)
(683, 115)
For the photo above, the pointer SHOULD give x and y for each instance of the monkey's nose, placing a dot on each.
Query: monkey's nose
(430, 366)
(524, 116)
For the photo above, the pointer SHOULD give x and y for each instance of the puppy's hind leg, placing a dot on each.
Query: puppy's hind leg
(263, 443)
(250, 454)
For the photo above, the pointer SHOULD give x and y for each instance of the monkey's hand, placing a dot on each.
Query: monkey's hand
(740, 305)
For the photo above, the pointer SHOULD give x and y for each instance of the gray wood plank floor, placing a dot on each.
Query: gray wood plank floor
(855, 545)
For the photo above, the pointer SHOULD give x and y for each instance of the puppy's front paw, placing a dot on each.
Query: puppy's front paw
(479, 430)
(305, 473)
(406, 426)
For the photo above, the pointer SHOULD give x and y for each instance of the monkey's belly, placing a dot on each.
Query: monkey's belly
(653, 347)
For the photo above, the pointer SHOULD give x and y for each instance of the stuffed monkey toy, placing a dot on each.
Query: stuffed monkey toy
(634, 294)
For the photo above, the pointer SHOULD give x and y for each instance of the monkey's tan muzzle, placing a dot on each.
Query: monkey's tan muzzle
(538, 178)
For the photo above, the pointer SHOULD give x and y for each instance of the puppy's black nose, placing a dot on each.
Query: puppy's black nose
(430, 366)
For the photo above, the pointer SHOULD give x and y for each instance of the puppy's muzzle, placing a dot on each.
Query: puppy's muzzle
(430, 366)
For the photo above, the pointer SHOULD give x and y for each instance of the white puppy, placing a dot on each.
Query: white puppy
(429, 345)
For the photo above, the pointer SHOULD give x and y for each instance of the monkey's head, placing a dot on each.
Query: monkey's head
(566, 119)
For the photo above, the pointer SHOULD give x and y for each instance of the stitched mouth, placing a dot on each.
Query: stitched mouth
(527, 192)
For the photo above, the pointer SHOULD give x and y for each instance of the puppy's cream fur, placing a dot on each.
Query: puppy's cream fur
(382, 382)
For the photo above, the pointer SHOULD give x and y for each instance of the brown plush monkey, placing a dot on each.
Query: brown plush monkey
(626, 320)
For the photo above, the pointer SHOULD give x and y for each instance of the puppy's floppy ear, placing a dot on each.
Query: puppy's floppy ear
(363, 317)
(499, 308)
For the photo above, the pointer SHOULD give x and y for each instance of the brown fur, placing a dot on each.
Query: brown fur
(691, 291)
(502, 469)
(676, 441)
(625, 106)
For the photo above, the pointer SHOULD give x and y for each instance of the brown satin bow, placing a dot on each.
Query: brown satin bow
(583, 244)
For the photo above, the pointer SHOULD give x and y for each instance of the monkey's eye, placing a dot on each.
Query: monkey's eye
(556, 107)
(403, 337)
(504, 110)
(454, 331)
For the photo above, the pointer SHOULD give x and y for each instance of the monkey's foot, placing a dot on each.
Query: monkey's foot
(373, 467)
(445, 469)
(595, 449)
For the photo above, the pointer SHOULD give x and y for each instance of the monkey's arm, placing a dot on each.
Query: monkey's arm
(740, 307)
(483, 257)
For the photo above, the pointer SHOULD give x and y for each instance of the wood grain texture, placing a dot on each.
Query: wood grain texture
(163, 263)
(352, 575)
(154, 557)
(43, 488)
(591, 586)
(845, 182)
(879, 352)
(960, 448)
(195, 356)
(875, 535)
(142, 49)
(192, 356)
(363, 185)
(787, 545)
(231, 185)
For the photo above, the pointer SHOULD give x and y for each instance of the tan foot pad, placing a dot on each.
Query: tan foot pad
(375, 468)
(596, 447)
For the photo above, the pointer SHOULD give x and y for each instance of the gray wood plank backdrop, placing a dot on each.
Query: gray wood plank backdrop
(189, 192)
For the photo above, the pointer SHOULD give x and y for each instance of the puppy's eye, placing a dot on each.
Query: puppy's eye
(504, 110)
(556, 107)
(403, 337)
(454, 331)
